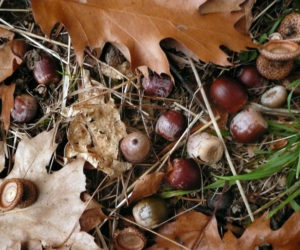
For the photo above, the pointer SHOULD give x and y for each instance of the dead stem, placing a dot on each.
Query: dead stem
(273, 111)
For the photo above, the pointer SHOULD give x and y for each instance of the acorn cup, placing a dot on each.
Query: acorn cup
(17, 192)
(276, 57)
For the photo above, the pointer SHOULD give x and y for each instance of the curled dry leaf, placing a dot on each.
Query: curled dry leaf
(7, 99)
(8, 60)
(197, 231)
(146, 186)
(189, 228)
(93, 214)
(96, 130)
(137, 28)
(54, 218)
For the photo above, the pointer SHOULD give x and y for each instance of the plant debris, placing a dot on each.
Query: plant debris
(137, 28)
(53, 219)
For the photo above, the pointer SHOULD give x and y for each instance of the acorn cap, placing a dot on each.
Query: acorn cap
(17, 192)
(273, 70)
(290, 27)
(280, 50)
(11, 192)
(129, 239)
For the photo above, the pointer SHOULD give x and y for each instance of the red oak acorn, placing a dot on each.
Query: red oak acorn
(228, 94)
(45, 70)
(170, 125)
(184, 174)
(248, 125)
(25, 108)
(250, 77)
(157, 85)
(135, 147)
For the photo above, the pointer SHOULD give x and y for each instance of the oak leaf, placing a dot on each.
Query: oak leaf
(197, 231)
(137, 27)
(146, 186)
(53, 220)
(7, 99)
(8, 60)
(96, 129)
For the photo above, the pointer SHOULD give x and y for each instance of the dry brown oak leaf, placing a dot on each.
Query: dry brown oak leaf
(7, 99)
(137, 27)
(9, 62)
(53, 220)
(146, 186)
(195, 230)
(96, 129)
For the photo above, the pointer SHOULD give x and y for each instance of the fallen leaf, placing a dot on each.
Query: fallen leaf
(54, 218)
(8, 60)
(197, 231)
(146, 186)
(285, 238)
(136, 28)
(217, 6)
(7, 98)
(192, 229)
(96, 130)
(93, 215)
(243, 25)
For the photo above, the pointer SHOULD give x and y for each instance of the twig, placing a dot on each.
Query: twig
(273, 111)
(228, 158)
(36, 43)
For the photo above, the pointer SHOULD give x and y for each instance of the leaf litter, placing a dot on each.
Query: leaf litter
(53, 220)
(95, 138)
(137, 28)
(96, 130)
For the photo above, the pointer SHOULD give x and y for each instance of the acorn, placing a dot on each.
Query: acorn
(150, 212)
(250, 77)
(157, 85)
(135, 147)
(25, 108)
(170, 125)
(205, 147)
(228, 94)
(274, 97)
(248, 125)
(45, 70)
(184, 174)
